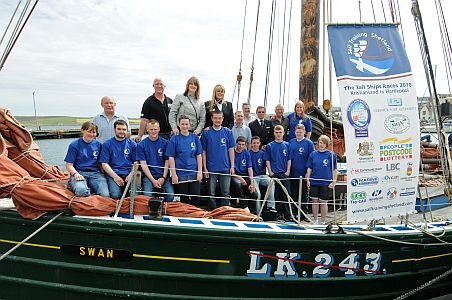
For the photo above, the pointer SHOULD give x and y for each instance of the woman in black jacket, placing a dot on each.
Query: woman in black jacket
(217, 103)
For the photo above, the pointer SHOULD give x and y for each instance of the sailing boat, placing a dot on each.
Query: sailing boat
(199, 258)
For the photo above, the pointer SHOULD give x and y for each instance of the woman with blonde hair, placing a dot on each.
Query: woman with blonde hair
(217, 103)
(188, 104)
(298, 117)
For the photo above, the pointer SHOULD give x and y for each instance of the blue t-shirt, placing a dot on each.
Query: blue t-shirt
(294, 120)
(153, 152)
(242, 162)
(120, 155)
(258, 162)
(300, 151)
(322, 165)
(278, 154)
(184, 149)
(84, 156)
(217, 143)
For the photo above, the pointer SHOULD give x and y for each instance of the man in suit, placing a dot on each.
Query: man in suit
(262, 127)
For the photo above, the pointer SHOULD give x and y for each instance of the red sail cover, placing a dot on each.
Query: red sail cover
(22, 149)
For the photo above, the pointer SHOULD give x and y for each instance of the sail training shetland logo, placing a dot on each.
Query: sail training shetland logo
(370, 53)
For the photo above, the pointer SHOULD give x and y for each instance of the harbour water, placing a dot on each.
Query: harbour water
(54, 151)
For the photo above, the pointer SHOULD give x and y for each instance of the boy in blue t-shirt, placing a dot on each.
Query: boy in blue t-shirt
(278, 161)
(243, 181)
(82, 163)
(300, 148)
(185, 162)
(117, 158)
(259, 173)
(218, 159)
(154, 162)
(321, 177)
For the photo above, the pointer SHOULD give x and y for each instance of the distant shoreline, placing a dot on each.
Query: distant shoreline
(60, 121)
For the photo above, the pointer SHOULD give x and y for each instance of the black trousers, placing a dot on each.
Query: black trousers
(282, 203)
(191, 188)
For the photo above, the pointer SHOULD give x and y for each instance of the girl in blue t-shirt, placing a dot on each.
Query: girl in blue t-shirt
(321, 177)
(82, 159)
(299, 117)
(184, 156)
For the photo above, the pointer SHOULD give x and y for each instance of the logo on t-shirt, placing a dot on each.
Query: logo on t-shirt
(160, 151)
(284, 152)
(126, 153)
(325, 162)
(259, 161)
(223, 141)
(95, 154)
(193, 146)
(244, 162)
(301, 150)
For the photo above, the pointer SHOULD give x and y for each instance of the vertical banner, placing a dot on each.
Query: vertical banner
(380, 117)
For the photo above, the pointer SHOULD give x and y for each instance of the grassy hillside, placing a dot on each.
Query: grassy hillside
(60, 120)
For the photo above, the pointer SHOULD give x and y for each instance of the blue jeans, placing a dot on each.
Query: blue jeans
(115, 190)
(94, 181)
(264, 180)
(167, 188)
(225, 181)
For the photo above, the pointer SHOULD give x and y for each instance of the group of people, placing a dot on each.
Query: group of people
(189, 142)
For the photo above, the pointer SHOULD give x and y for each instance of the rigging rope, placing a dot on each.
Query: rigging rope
(17, 31)
(287, 51)
(238, 82)
(373, 10)
(359, 8)
(383, 9)
(445, 41)
(401, 24)
(254, 52)
(269, 53)
(431, 84)
(282, 50)
(10, 21)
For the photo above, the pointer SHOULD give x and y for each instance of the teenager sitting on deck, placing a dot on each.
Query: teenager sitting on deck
(117, 158)
(242, 181)
(82, 162)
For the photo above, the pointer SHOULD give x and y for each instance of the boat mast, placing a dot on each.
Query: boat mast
(431, 82)
(309, 52)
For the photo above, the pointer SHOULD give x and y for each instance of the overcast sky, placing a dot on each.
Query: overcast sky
(73, 52)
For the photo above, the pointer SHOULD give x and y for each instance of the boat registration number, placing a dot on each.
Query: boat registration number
(321, 267)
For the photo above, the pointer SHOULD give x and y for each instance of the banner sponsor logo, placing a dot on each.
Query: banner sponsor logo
(397, 150)
(407, 191)
(397, 123)
(389, 178)
(393, 167)
(394, 101)
(363, 170)
(358, 115)
(363, 181)
(376, 195)
(391, 193)
(365, 152)
(359, 197)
